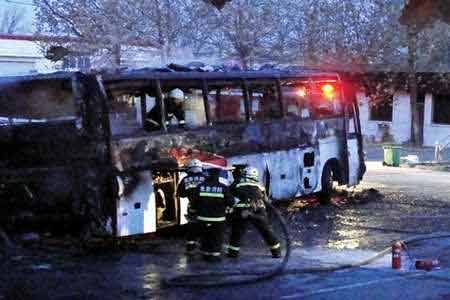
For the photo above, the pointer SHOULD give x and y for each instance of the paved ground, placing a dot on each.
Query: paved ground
(411, 202)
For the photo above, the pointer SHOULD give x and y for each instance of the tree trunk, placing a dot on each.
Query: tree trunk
(416, 137)
(116, 56)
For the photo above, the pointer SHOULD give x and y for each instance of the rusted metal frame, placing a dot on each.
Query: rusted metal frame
(105, 113)
(160, 102)
(359, 136)
(245, 90)
(218, 104)
(143, 101)
(205, 92)
(79, 99)
(250, 93)
(108, 159)
(280, 97)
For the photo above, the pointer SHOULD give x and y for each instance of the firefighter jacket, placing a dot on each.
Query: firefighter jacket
(211, 200)
(250, 194)
(188, 187)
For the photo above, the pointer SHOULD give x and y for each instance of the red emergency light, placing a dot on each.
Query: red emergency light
(328, 90)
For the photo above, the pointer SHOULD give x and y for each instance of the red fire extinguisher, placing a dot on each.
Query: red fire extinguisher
(397, 255)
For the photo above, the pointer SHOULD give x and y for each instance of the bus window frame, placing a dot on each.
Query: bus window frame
(160, 102)
(205, 93)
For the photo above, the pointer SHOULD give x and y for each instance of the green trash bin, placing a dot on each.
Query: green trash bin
(392, 155)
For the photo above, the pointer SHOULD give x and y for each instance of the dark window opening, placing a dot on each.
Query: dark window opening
(441, 109)
(227, 104)
(264, 102)
(33, 102)
(138, 108)
(124, 113)
(308, 160)
(382, 110)
(295, 103)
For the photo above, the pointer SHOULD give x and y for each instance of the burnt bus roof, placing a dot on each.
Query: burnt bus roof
(167, 74)
(8, 81)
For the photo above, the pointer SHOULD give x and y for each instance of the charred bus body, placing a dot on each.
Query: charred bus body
(54, 147)
(300, 129)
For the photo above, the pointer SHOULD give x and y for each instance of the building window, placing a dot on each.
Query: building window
(441, 109)
(382, 110)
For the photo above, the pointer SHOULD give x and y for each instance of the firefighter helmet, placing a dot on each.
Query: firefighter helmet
(251, 173)
(177, 94)
(194, 166)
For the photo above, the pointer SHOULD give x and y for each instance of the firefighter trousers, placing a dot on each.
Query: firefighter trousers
(211, 239)
(192, 235)
(261, 222)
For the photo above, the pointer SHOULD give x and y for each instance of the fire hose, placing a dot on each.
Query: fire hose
(210, 279)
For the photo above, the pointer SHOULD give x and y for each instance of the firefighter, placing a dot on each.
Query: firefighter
(250, 208)
(187, 189)
(174, 109)
(211, 202)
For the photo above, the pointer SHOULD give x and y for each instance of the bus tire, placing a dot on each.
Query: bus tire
(327, 184)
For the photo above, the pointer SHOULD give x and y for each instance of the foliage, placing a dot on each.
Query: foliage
(326, 33)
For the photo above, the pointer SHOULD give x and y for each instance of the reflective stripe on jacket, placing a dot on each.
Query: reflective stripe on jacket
(250, 194)
(211, 200)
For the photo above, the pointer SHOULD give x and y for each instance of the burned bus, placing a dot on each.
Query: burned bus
(299, 128)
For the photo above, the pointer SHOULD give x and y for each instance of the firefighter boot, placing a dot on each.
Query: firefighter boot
(232, 252)
(276, 251)
(190, 247)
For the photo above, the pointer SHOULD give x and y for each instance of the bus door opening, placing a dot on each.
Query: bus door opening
(165, 186)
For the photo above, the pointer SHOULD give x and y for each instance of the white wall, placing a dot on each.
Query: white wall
(399, 128)
(433, 132)
(22, 57)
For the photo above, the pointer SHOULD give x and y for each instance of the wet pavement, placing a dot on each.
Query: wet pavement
(391, 204)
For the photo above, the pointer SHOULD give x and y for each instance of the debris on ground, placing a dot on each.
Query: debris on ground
(340, 198)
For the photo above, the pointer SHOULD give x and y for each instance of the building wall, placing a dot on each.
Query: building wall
(22, 57)
(432, 132)
(400, 127)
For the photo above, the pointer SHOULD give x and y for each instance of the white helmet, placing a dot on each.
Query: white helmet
(177, 94)
(251, 173)
(195, 166)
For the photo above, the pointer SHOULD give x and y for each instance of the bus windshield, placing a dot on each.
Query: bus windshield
(36, 102)
(312, 101)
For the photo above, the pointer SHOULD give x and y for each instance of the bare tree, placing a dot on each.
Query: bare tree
(239, 31)
(106, 27)
(12, 20)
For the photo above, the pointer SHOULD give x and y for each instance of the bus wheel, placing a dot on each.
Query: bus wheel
(327, 184)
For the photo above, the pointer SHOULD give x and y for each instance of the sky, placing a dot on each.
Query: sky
(26, 5)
